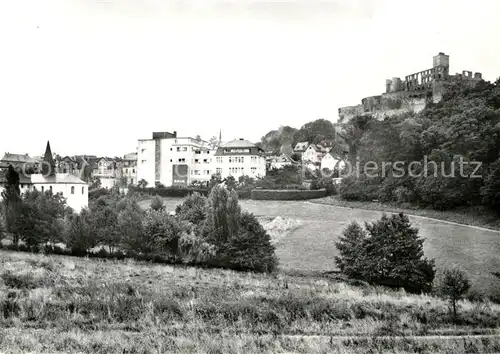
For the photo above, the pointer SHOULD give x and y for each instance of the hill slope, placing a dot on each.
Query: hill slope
(63, 304)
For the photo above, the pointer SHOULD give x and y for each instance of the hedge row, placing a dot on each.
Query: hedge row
(179, 192)
(269, 194)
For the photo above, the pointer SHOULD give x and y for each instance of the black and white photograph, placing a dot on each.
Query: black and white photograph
(249, 176)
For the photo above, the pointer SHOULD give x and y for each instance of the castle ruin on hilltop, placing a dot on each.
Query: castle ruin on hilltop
(413, 93)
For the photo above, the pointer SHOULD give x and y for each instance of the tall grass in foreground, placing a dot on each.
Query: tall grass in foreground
(51, 304)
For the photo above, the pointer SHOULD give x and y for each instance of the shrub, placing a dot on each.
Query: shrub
(327, 183)
(97, 193)
(388, 253)
(359, 189)
(454, 285)
(240, 240)
(192, 209)
(250, 249)
(160, 234)
(157, 204)
(194, 249)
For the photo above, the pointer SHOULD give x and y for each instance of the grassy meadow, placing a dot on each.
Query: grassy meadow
(55, 304)
(305, 234)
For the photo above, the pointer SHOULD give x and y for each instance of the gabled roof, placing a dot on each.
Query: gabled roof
(314, 147)
(57, 178)
(18, 158)
(131, 156)
(239, 143)
(286, 157)
(68, 158)
(301, 146)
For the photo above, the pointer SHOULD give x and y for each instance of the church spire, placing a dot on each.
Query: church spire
(49, 166)
(220, 136)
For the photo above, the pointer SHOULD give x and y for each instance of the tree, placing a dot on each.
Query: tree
(213, 143)
(80, 236)
(250, 249)
(142, 183)
(455, 284)
(41, 215)
(157, 204)
(223, 211)
(215, 179)
(192, 209)
(104, 220)
(11, 201)
(389, 253)
(161, 234)
(275, 139)
(2, 220)
(130, 226)
(320, 131)
(12, 179)
(490, 192)
(230, 182)
(351, 244)
(122, 182)
(95, 183)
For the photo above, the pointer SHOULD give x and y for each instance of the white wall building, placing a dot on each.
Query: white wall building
(107, 172)
(281, 161)
(240, 158)
(330, 162)
(172, 160)
(72, 188)
(314, 154)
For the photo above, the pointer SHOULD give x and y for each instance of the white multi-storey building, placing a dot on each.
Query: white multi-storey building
(240, 158)
(172, 160)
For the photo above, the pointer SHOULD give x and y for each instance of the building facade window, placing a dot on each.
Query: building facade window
(43, 189)
(50, 189)
(72, 189)
(83, 190)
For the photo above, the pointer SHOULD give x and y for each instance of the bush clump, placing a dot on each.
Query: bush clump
(387, 252)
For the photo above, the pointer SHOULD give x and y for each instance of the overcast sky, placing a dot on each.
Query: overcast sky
(94, 76)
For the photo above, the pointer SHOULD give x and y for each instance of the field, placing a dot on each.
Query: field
(311, 246)
(54, 304)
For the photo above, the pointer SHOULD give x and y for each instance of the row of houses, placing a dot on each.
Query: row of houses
(164, 159)
(41, 173)
(314, 156)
